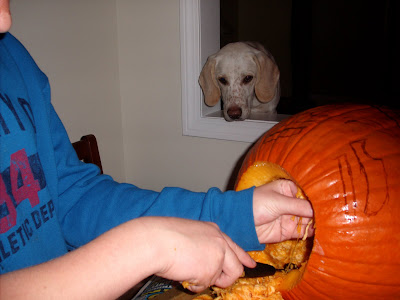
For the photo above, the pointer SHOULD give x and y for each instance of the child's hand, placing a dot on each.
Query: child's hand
(274, 208)
(199, 253)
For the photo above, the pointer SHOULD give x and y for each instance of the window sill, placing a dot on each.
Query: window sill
(215, 126)
(197, 16)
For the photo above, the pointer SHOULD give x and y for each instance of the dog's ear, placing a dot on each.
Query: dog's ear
(208, 82)
(267, 77)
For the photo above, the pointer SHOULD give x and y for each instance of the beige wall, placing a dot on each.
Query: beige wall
(75, 43)
(124, 57)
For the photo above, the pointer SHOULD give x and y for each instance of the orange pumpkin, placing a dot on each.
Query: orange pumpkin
(346, 159)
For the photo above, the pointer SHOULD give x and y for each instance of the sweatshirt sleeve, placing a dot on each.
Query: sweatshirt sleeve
(89, 204)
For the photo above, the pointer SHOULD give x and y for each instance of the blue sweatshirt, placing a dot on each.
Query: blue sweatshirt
(51, 202)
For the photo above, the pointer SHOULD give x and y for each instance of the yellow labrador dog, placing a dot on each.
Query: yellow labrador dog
(245, 77)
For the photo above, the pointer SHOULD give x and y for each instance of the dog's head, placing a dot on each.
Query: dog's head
(237, 74)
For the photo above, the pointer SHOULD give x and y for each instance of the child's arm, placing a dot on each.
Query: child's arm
(174, 248)
(178, 249)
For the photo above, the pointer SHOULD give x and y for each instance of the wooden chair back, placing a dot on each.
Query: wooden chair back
(88, 151)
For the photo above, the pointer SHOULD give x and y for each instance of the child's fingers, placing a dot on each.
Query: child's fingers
(294, 206)
(232, 269)
(242, 255)
(5, 16)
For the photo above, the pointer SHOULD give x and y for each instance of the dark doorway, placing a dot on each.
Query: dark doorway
(328, 51)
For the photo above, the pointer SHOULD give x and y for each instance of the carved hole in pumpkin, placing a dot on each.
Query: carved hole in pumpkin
(280, 255)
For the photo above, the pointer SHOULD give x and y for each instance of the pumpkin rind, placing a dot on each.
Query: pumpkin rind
(346, 158)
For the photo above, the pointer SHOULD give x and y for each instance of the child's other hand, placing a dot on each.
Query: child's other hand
(274, 208)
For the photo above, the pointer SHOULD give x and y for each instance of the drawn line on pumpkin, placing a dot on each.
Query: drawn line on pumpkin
(343, 163)
(285, 133)
(289, 132)
(324, 111)
(372, 124)
(359, 149)
(272, 136)
(387, 115)
(336, 111)
(319, 120)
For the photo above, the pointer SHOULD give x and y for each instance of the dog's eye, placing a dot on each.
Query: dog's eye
(247, 79)
(223, 80)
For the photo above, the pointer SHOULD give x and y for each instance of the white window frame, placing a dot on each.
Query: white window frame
(199, 31)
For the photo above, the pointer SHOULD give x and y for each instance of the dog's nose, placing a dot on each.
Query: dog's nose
(234, 112)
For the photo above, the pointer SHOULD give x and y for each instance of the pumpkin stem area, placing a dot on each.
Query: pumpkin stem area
(289, 256)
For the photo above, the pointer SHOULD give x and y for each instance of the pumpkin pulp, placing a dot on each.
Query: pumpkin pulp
(289, 255)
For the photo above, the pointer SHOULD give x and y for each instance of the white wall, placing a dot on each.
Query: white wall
(124, 57)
